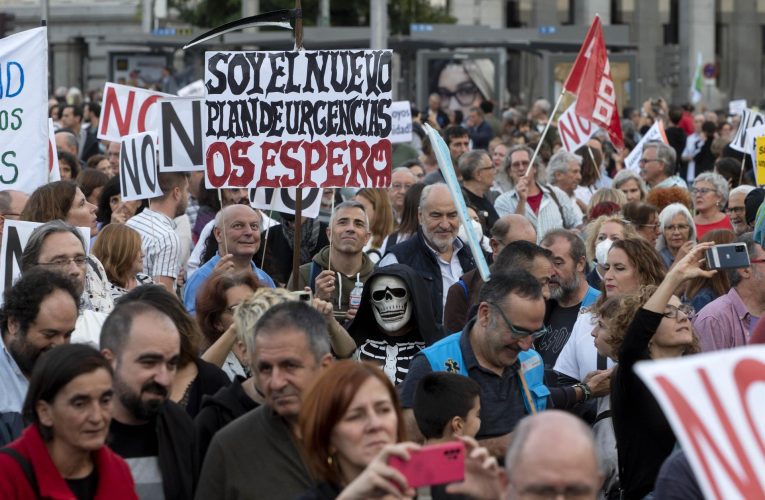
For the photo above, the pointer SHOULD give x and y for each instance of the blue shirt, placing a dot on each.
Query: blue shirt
(204, 272)
(13, 383)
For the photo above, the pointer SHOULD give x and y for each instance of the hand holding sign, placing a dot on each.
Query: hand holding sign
(139, 176)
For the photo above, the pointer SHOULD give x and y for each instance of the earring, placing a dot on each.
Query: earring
(329, 460)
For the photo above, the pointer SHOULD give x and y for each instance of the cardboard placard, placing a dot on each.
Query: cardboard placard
(401, 113)
(128, 110)
(138, 167)
(282, 200)
(180, 134)
(749, 119)
(573, 130)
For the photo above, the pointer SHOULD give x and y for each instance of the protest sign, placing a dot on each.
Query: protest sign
(127, 110)
(138, 167)
(759, 171)
(180, 134)
(16, 233)
(401, 114)
(23, 112)
(749, 119)
(54, 174)
(282, 200)
(736, 106)
(573, 130)
(444, 159)
(298, 119)
(655, 133)
(715, 403)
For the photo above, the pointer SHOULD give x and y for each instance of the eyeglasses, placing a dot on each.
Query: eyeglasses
(644, 161)
(465, 93)
(546, 492)
(677, 227)
(673, 312)
(80, 261)
(523, 163)
(487, 168)
(736, 210)
(702, 191)
(651, 226)
(397, 186)
(515, 331)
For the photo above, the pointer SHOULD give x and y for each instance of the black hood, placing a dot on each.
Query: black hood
(422, 318)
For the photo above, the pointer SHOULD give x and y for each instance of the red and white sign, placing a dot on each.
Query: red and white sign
(128, 110)
(573, 130)
(716, 405)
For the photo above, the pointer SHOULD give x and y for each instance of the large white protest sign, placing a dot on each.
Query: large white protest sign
(749, 119)
(16, 234)
(180, 134)
(751, 137)
(736, 106)
(127, 110)
(401, 114)
(282, 200)
(54, 173)
(138, 167)
(298, 119)
(716, 405)
(23, 112)
(655, 133)
(573, 130)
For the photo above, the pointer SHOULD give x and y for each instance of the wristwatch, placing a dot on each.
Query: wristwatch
(585, 390)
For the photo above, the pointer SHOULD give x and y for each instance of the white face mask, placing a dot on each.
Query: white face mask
(601, 251)
(390, 302)
(477, 230)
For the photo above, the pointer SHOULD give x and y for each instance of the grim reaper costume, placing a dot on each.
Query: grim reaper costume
(395, 320)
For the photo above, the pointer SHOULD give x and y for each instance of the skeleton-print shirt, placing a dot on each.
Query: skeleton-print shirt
(393, 354)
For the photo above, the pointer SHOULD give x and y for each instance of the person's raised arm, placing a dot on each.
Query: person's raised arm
(687, 268)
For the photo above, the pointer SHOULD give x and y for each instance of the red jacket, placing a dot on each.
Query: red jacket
(114, 479)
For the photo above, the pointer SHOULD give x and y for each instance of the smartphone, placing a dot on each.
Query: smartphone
(303, 295)
(728, 256)
(434, 464)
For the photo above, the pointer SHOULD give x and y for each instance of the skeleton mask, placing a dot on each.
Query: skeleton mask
(390, 302)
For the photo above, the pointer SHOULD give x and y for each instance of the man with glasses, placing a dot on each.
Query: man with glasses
(728, 321)
(494, 349)
(737, 209)
(12, 203)
(478, 174)
(401, 180)
(60, 248)
(658, 165)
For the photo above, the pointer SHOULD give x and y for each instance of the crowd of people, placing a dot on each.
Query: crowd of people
(170, 351)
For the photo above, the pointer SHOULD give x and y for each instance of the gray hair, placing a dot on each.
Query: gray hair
(71, 139)
(543, 105)
(664, 153)
(666, 216)
(540, 177)
(403, 169)
(559, 164)
(718, 181)
(31, 253)
(470, 162)
(295, 315)
(348, 204)
(734, 277)
(426, 191)
(744, 189)
(628, 175)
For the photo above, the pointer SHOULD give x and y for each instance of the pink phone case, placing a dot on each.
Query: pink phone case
(435, 464)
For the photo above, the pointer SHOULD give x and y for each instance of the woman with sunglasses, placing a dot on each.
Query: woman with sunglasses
(710, 195)
(660, 329)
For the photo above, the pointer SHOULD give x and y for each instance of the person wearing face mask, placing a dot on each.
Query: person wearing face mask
(606, 227)
(394, 321)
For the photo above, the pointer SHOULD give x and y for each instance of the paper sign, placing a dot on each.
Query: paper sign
(54, 174)
(138, 167)
(749, 119)
(127, 110)
(401, 113)
(736, 106)
(573, 130)
(16, 234)
(444, 159)
(716, 405)
(759, 172)
(180, 134)
(298, 119)
(655, 133)
(23, 114)
(282, 200)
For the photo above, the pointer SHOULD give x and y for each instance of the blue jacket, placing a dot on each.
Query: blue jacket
(445, 355)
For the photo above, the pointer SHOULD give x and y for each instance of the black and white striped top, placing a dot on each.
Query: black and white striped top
(159, 242)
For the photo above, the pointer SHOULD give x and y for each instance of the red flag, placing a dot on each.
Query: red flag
(596, 95)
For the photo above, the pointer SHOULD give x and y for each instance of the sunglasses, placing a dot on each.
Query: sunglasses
(516, 331)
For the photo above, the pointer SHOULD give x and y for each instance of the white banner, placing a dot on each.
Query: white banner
(716, 405)
(23, 110)
(573, 130)
(16, 234)
(655, 133)
(735, 107)
(54, 174)
(298, 119)
(180, 134)
(138, 167)
(401, 114)
(128, 110)
(282, 200)
(749, 119)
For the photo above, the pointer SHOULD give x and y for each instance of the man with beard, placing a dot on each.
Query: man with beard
(737, 209)
(154, 435)
(569, 292)
(160, 244)
(39, 313)
(435, 252)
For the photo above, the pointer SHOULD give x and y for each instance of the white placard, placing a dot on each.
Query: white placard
(655, 133)
(128, 110)
(401, 114)
(180, 134)
(138, 167)
(282, 200)
(54, 174)
(736, 106)
(749, 119)
(573, 130)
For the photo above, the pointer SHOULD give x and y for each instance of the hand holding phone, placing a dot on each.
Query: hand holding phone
(434, 464)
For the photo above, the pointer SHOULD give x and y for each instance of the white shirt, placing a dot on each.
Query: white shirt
(87, 329)
(160, 244)
(579, 356)
(549, 215)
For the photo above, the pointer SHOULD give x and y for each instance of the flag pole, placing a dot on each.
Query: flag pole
(297, 236)
(544, 132)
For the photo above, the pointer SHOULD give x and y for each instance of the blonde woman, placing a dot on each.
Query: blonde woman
(118, 247)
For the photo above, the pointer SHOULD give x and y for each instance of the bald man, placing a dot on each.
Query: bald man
(463, 295)
(553, 455)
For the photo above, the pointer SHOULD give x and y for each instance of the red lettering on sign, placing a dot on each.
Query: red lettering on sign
(378, 166)
(746, 373)
(242, 176)
(311, 165)
(220, 148)
(335, 157)
(143, 110)
(111, 104)
(269, 151)
(291, 163)
(360, 161)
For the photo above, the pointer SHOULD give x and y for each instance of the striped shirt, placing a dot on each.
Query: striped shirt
(159, 242)
(550, 215)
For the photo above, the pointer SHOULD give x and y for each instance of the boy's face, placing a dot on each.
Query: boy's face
(473, 419)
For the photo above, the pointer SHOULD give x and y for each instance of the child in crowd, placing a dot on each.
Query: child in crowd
(447, 405)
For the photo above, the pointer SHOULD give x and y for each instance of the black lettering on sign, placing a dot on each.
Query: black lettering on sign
(12, 253)
(308, 196)
(133, 164)
(173, 125)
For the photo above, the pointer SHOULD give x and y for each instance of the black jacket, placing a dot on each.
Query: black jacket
(208, 381)
(416, 253)
(178, 460)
